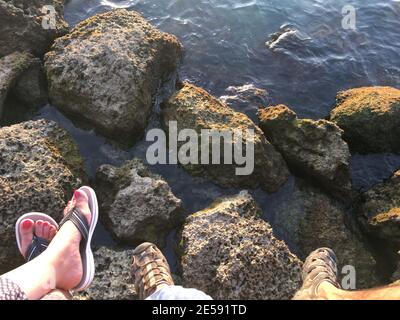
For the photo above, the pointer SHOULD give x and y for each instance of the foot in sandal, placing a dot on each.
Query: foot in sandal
(150, 270)
(34, 231)
(319, 273)
(73, 261)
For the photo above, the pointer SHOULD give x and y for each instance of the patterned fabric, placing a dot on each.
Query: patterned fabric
(10, 291)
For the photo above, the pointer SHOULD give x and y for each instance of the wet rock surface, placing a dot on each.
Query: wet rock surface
(137, 205)
(312, 219)
(193, 108)
(22, 29)
(39, 167)
(370, 118)
(313, 148)
(230, 253)
(107, 70)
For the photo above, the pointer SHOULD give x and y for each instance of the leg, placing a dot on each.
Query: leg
(320, 282)
(384, 293)
(153, 280)
(60, 266)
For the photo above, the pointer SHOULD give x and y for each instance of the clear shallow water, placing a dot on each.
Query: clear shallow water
(224, 43)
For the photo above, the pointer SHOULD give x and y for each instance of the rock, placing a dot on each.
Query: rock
(311, 148)
(396, 275)
(230, 253)
(193, 108)
(39, 167)
(21, 26)
(108, 69)
(245, 97)
(31, 87)
(20, 74)
(112, 280)
(137, 205)
(370, 118)
(312, 219)
(379, 210)
(285, 38)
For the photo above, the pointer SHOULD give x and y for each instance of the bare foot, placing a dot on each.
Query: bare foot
(40, 228)
(63, 251)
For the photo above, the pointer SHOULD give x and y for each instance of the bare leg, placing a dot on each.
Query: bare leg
(330, 292)
(60, 266)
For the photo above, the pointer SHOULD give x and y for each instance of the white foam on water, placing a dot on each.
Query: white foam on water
(120, 4)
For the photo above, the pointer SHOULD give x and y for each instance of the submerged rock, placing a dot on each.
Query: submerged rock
(311, 148)
(370, 118)
(39, 167)
(21, 75)
(137, 205)
(112, 280)
(229, 252)
(285, 34)
(379, 209)
(107, 70)
(245, 97)
(21, 25)
(311, 219)
(193, 108)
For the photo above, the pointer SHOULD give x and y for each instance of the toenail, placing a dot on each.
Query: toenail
(26, 224)
(77, 194)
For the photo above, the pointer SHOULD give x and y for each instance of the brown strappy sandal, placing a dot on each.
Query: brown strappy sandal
(150, 269)
(321, 265)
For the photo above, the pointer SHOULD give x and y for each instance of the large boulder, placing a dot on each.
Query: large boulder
(379, 210)
(193, 108)
(311, 219)
(370, 118)
(21, 74)
(137, 205)
(21, 24)
(311, 148)
(113, 280)
(107, 70)
(39, 167)
(229, 252)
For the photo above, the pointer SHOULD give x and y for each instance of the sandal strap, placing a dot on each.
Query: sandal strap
(321, 265)
(76, 216)
(79, 220)
(37, 246)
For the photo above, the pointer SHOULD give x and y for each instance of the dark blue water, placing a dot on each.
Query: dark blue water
(224, 43)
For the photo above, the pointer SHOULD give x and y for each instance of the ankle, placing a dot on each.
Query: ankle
(327, 290)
